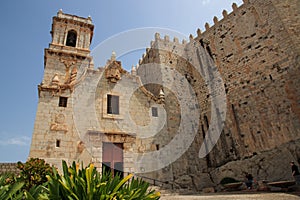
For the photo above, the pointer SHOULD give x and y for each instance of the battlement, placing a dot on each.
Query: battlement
(166, 40)
(164, 43)
(167, 43)
(216, 21)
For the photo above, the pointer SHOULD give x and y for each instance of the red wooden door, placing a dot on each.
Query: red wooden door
(112, 158)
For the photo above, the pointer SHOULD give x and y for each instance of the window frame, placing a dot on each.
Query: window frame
(105, 113)
(63, 102)
(113, 104)
(154, 111)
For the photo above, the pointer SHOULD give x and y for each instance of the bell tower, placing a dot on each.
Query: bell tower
(69, 48)
(54, 136)
(71, 31)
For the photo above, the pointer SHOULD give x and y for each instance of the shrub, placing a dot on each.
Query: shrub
(34, 172)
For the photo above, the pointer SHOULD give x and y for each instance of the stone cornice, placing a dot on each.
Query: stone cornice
(81, 54)
(74, 22)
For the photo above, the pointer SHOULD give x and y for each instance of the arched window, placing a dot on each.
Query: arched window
(71, 38)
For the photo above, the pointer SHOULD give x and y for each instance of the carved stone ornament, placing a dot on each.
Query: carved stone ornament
(68, 62)
(80, 146)
(57, 85)
(55, 80)
(114, 71)
(73, 75)
(58, 123)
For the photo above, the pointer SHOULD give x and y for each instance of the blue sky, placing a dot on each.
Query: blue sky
(25, 32)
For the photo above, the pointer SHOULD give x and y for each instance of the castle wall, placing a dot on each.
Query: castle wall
(256, 51)
(253, 48)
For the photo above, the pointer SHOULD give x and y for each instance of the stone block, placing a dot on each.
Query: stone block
(208, 190)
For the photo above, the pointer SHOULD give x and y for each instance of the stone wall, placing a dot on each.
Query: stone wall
(256, 50)
(257, 54)
(8, 168)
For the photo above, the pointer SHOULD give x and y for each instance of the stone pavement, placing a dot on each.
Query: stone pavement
(258, 196)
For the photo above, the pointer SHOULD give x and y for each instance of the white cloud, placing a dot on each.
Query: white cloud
(19, 140)
(204, 2)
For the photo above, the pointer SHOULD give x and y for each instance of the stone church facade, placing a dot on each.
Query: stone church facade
(113, 118)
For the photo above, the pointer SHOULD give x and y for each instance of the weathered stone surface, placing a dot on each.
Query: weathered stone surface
(272, 165)
(184, 181)
(208, 190)
(201, 180)
(258, 62)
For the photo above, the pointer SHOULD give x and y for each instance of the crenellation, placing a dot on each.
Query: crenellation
(225, 14)
(215, 19)
(175, 40)
(199, 32)
(157, 36)
(234, 7)
(167, 38)
(206, 26)
(191, 37)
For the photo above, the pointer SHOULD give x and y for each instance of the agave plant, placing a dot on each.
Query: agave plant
(10, 190)
(88, 184)
(39, 192)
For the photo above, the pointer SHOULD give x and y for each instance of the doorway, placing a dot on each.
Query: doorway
(112, 158)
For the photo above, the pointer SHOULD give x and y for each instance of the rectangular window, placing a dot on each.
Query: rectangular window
(157, 147)
(154, 112)
(112, 104)
(63, 101)
(57, 143)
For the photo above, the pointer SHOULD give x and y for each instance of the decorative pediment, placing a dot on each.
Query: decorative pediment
(114, 70)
